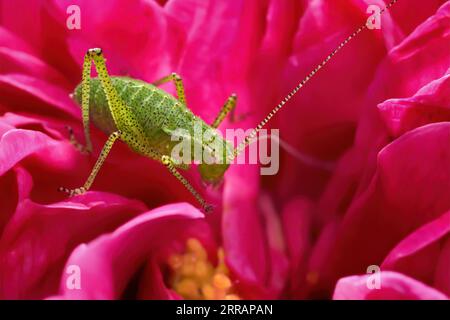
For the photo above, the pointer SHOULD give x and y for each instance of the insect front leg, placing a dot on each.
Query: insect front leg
(178, 85)
(228, 107)
(85, 91)
(101, 159)
(170, 165)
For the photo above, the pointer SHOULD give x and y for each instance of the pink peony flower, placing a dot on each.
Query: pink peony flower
(367, 183)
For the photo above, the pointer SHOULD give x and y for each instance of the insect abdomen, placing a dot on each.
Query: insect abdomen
(157, 112)
(149, 104)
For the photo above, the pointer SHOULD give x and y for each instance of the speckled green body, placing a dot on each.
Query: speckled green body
(158, 113)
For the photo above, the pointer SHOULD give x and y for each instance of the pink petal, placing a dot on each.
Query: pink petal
(429, 104)
(409, 14)
(411, 187)
(420, 59)
(327, 108)
(15, 61)
(39, 238)
(418, 254)
(243, 233)
(410, 66)
(394, 286)
(317, 278)
(18, 183)
(329, 119)
(29, 25)
(253, 238)
(371, 192)
(442, 273)
(186, 12)
(108, 262)
(221, 25)
(422, 53)
(151, 284)
(33, 92)
(276, 246)
(146, 49)
(297, 227)
(10, 40)
(42, 30)
(36, 123)
(18, 144)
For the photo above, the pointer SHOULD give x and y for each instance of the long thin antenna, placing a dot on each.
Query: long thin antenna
(255, 131)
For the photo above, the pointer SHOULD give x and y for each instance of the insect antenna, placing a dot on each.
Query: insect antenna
(250, 137)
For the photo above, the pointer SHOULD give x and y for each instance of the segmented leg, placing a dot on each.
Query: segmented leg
(169, 163)
(85, 91)
(178, 85)
(119, 111)
(105, 151)
(115, 104)
(228, 107)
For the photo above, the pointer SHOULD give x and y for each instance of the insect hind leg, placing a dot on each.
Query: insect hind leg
(85, 92)
(169, 163)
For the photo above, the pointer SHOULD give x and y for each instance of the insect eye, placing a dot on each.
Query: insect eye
(95, 51)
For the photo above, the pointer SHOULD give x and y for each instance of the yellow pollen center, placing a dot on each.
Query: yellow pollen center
(195, 277)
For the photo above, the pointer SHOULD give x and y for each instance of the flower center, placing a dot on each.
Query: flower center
(195, 277)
